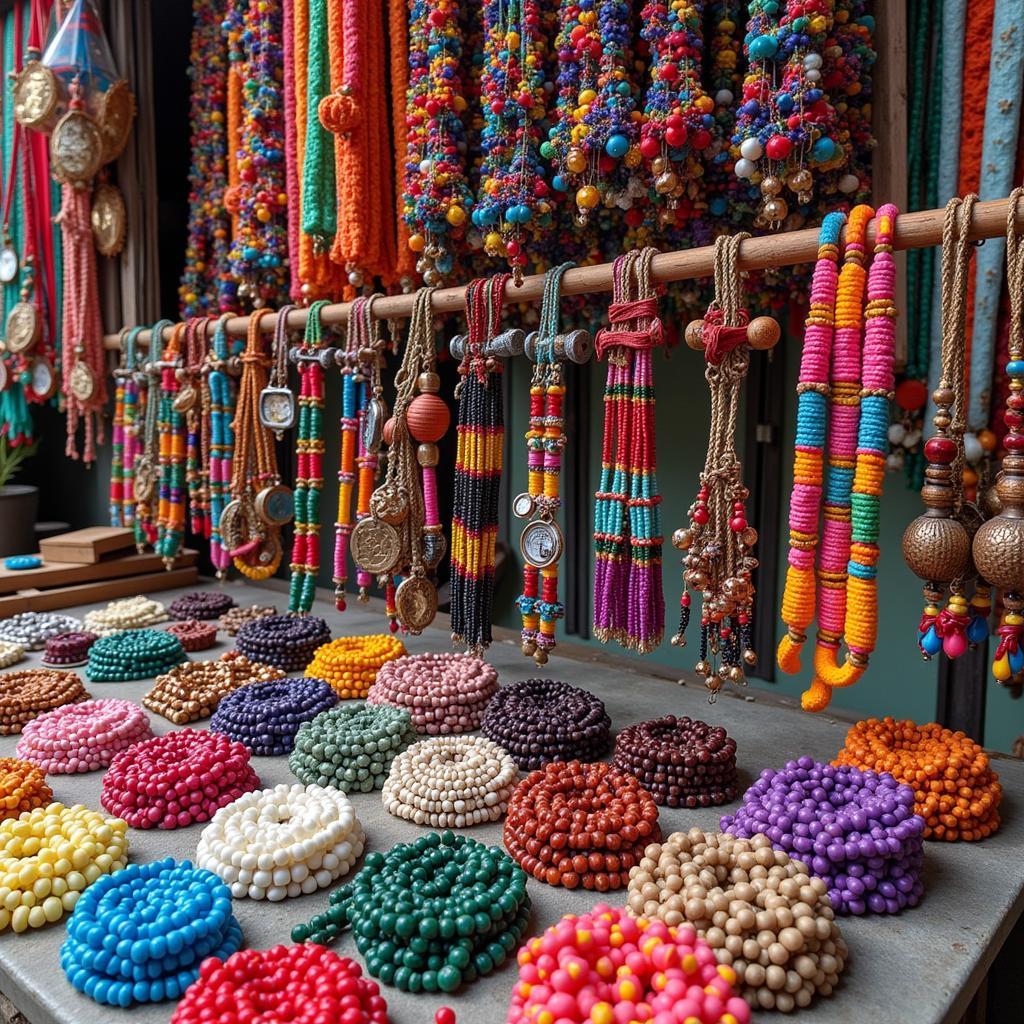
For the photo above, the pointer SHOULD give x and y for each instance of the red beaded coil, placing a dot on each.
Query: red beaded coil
(195, 635)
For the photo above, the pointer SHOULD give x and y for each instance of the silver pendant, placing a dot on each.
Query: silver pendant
(8, 264)
(373, 425)
(277, 410)
(541, 543)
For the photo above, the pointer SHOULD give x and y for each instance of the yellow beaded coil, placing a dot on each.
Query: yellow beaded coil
(49, 856)
(350, 663)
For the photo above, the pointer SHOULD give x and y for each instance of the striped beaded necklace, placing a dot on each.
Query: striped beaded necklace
(194, 400)
(123, 445)
(309, 455)
(220, 384)
(147, 465)
(170, 518)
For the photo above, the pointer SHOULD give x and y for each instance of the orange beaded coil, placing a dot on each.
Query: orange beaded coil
(27, 694)
(22, 787)
(350, 664)
(955, 789)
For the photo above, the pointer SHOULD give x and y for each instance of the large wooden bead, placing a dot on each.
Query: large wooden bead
(763, 333)
(999, 552)
(694, 335)
(936, 548)
(428, 418)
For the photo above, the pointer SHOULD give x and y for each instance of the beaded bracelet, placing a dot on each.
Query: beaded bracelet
(266, 716)
(32, 629)
(770, 905)
(83, 737)
(174, 780)
(857, 831)
(10, 653)
(127, 613)
(193, 690)
(27, 694)
(22, 787)
(284, 842)
(576, 824)
(450, 782)
(201, 604)
(194, 634)
(669, 970)
(350, 664)
(287, 641)
(163, 957)
(72, 847)
(542, 720)
(444, 900)
(68, 650)
(314, 974)
(133, 654)
(351, 746)
(681, 762)
(444, 693)
(232, 621)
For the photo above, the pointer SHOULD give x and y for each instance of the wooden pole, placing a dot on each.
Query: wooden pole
(791, 248)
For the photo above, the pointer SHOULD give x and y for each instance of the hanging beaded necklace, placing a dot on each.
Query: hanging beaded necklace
(937, 544)
(145, 490)
(541, 543)
(194, 400)
(170, 519)
(719, 540)
(125, 433)
(360, 441)
(222, 366)
(629, 607)
(309, 457)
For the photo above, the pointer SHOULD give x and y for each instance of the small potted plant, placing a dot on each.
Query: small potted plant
(19, 503)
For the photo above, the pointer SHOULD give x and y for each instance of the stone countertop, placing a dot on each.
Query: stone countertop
(922, 965)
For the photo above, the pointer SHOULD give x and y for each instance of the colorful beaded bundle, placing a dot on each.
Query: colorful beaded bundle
(478, 465)
(461, 905)
(219, 382)
(23, 788)
(195, 397)
(146, 490)
(163, 957)
(170, 517)
(133, 654)
(124, 440)
(350, 664)
(629, 607)
(718, 542)
(309, 472)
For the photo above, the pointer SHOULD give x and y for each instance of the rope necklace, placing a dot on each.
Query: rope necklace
(170, 518)
(194, 400)
(478, 465)
(629, 606)
(220, 385)
(719, 541)
(309, 456)
(123, 445)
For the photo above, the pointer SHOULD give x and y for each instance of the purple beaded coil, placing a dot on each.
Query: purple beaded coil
(201, 604)
(855, 830)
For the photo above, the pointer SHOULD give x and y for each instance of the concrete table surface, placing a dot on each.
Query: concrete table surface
(922, 965)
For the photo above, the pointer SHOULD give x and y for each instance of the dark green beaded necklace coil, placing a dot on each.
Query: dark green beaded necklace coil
(133, 654)
(432, 915)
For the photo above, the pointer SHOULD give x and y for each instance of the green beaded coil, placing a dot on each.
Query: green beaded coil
(351, 746)
(133, 654)
(432, 915)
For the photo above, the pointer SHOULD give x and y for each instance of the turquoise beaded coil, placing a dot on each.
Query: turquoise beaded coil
(140, 934)
(432, 915)
(133, 654)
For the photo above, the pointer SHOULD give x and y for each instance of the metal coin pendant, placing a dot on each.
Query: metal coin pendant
(42, 379)
(523, 505)
(8, 264)
(186, 398)
(76, 149)
(275, 505)
(376, 546)
(83, 384)
(416, 603)
(108, 219)
(373, 424)
(541, 543)
(234, 523)
(145, 480)
(36, 93)
(390, 504)
(277, 409)
(23, 327)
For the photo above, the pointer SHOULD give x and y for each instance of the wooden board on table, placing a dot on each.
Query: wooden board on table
(63, 574)
(97, 591)
(88, 545)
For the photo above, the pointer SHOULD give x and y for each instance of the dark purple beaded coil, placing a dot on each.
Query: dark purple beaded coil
(681, 762)
(201, 604)
(287, 641)
(856, 830)
(69, 648)
(542, 720)
(266, 716)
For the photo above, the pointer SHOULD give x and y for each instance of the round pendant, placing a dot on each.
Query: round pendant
(434, 548)
(186, 398)
(23, 327)
(373, 424)
(523, 505)
(42, 379)
(76, 149)
(8, 264)
(275, 505)
(390, 504)
(117, 111)
(234, 522)
(277, 409)
(108, 220)
(82, 382)
(416, 603)
(144, 483)
(541, 543)
(36, 93)
(375, 546)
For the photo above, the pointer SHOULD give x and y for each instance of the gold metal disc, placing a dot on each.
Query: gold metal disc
(76, 149)
(36, 94)
(186, 398)
(145, 479)
(82, 382)
(109, 220)
(376, 546)
(390, 504)
(23, 327)
(117, 111)
(416, 603)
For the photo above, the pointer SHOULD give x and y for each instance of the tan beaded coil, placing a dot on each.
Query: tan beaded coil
(26, 694)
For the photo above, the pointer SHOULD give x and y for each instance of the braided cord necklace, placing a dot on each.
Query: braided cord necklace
(220, 384)
(170, 518)
(629, 606)
(541, 542)
(309, 455)
(478, 465)
(860, 604)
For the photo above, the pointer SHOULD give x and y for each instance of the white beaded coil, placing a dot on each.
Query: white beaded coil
(450, 782)
(10, 653)
(128, 613)
(283, 842)
(31, 630)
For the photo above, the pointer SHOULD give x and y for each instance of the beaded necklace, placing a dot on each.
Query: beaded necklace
(398, 77)
(220, 385)
(309, 457)
(123, 444)
(478, 465)
(719, 541)
(360, 441)
(147, 465)
(937, 544)
(194, 400)
(170, 517)
(629, 607)
(541, 543)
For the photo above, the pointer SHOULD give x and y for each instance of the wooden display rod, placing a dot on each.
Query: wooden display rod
(62, 574)
(96, 592)
(88, 545)
(789, 248)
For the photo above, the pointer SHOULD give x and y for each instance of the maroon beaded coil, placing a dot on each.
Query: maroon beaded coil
(69, 648)
(194, 634)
